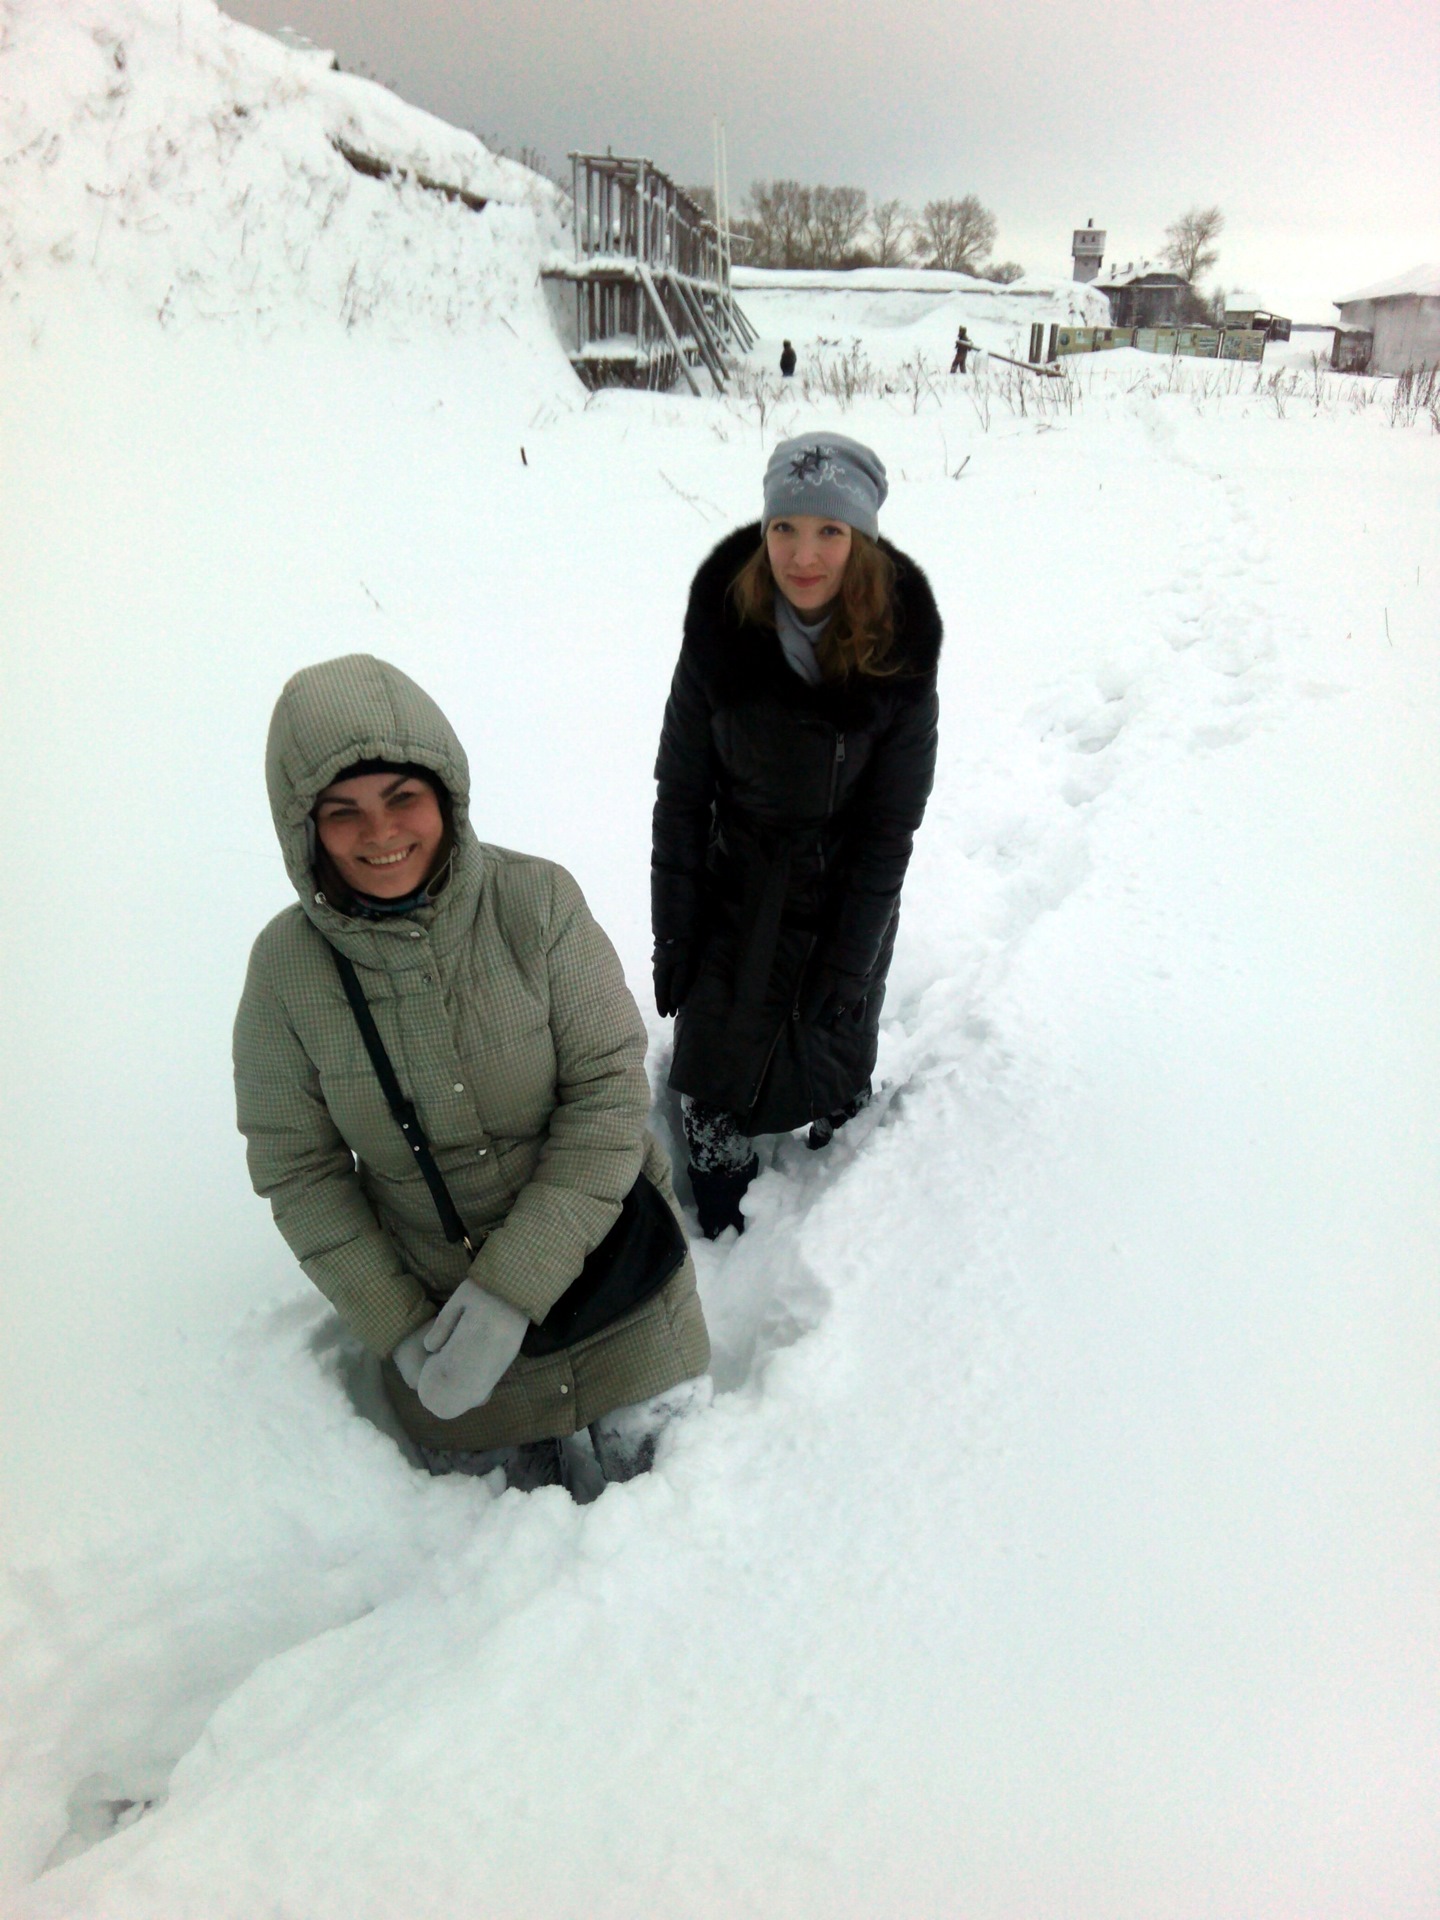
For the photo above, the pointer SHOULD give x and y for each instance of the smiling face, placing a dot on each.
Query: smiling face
(382, 831)
(807, 557)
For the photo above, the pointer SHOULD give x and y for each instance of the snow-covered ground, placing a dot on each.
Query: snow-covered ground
(1063, 1540)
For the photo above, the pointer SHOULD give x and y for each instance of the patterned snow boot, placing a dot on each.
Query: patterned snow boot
(718, 1196)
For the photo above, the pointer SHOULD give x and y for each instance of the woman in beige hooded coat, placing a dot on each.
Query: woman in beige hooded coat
(507, 1020)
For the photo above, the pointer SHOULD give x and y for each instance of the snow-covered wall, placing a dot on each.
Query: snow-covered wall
(904, 311)
(1403, 313)
(162, 148)
(1406, 330)
(1069, 298)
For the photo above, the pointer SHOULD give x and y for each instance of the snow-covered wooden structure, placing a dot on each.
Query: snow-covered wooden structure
(1247, 310)
(1143, 295)
(651, 277)
(1403, 318)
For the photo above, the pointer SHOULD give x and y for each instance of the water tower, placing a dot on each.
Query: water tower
(1088, 250)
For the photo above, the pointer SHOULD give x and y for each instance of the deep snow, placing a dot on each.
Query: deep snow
(1063, 1537)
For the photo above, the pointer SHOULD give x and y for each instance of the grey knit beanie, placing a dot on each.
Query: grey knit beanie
(828, 475)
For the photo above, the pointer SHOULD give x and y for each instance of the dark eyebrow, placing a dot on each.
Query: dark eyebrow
(386, 793)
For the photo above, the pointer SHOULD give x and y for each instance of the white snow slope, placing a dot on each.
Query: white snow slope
(1063, 1540)
(193, 166)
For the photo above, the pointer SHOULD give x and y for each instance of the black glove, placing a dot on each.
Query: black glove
(831, 996)
(674, 975)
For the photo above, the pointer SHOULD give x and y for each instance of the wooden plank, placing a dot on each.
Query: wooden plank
(374, 169)
(699, 327)
(658, 306)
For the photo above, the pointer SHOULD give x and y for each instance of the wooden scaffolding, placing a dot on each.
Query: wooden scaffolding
(652, 280)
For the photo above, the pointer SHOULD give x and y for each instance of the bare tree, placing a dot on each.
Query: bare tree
(791, 225)
(837, 218)
(957, 234)
(892, 226)
(778, 223)
(1004, 272)
(1189, 250)
(1195, 308)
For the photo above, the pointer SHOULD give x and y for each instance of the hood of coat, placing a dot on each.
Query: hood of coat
(358, 708)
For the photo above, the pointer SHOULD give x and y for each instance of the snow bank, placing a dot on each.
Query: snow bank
(1064, 295)
(158, 147)
(900, 312)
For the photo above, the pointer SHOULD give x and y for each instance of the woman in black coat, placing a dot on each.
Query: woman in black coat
(795, 761)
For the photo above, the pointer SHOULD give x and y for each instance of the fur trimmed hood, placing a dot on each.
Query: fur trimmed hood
(732, 647)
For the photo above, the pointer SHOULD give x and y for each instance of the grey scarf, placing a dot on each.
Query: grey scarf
(799, 641)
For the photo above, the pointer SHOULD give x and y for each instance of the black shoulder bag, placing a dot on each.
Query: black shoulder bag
(634, 1260)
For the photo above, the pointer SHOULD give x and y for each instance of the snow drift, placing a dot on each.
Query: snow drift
(158, 148)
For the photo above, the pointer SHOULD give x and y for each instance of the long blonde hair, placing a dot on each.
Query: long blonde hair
(859, 636)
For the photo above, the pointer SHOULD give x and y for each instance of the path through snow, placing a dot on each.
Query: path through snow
(1062, 1538)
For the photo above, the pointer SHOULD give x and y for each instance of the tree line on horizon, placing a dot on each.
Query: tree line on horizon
(786, 223)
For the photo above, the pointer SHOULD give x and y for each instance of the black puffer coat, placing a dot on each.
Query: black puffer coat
(783, 827)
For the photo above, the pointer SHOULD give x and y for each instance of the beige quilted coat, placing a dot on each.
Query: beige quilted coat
(506, 1015)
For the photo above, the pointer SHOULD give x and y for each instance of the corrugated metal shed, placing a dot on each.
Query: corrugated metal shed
(1403, 314)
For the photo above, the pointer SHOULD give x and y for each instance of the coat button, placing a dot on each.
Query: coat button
(459, 1087)
(564, 1388)
(414, 933)
(480, 1152)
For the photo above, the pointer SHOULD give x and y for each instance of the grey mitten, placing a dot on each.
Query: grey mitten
(411, 1354)
(472, 1342)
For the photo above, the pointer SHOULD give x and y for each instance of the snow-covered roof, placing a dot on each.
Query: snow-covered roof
(1242, 300)
(866, 280)
(1135, 270)
(1423, 281)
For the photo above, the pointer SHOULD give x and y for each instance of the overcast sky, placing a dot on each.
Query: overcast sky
(1314, 124)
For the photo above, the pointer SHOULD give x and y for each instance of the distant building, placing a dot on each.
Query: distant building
(1402, 315)
(1087, 249)
(1143, 295)
(1247, 310)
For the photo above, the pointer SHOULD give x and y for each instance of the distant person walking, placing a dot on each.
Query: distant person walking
(963, 344)
(787, 360)
(795, 761)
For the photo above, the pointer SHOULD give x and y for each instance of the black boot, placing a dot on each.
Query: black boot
(824, 1129)
(535, 1463)
(718, 1196)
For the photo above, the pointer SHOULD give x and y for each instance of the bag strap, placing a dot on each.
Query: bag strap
(403, 1109)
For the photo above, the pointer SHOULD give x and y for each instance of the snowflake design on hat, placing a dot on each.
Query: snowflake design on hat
(812, 462)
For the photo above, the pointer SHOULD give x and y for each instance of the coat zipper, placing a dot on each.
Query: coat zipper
(837, 760)
(835, 766)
